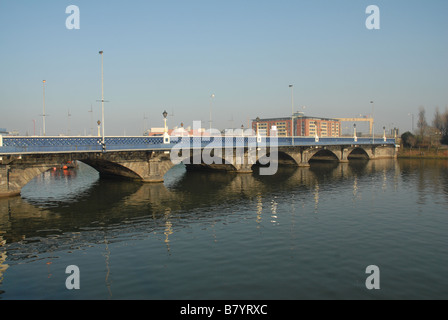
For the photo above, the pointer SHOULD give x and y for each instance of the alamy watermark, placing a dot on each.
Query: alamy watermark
(73, 280)
(373, 280)
(73, 20)
(236, 147)
(372, 22)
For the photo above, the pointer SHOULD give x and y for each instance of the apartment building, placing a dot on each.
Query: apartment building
(299, 124)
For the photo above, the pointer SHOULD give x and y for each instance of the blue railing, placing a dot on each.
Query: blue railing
(14, 144)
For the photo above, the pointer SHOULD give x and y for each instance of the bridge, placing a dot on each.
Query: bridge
(147, 159)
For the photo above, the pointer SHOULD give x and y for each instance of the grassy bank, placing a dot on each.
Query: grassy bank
(423, 153)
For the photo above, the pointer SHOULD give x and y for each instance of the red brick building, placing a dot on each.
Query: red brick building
(300, 125)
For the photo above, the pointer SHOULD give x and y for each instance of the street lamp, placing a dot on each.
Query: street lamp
(102, 97)
(211, 100)
(43, 115)
(292, 112)
(68, 122)
(354, 133)
(99, 127)
(258, 132)
(411, 114)
(165, 114)
(384, 133)
(257, 120)
(373, 122)
(166, 137)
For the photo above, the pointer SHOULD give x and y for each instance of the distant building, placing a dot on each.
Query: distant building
(176, 132)
(298, 124)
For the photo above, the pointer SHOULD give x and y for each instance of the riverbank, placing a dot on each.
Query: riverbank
(423, 153)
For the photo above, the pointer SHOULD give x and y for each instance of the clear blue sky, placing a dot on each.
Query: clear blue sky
(174, 54)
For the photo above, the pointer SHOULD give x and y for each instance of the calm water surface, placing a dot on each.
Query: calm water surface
(304, 233)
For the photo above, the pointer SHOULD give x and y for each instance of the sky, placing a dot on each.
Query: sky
(173, 55)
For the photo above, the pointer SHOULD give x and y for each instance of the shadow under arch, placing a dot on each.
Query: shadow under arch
(282, 158)
(219, 163)
(358, 154)
(109, 169)
(324, 155)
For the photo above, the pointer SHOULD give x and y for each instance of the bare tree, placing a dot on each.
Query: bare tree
(422, 125)
(440, 122)
(444, 129)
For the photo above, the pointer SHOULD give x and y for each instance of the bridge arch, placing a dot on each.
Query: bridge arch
(194, 160)
(282, 158)
(108, 168)
(323, 155)
(144, 166)
(358, 153)
(287, 158)
(14, 179)
(220, 166)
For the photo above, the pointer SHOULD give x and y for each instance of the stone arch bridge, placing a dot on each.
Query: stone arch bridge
(147, 159)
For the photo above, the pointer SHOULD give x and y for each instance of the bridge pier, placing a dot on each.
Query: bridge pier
(17, 170)
(243, 162)
(344, 152)
(304, 158)
(7, 190)
(144, 166)
(295, 156)
(158, 166)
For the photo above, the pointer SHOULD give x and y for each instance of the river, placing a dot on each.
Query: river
(303, 233)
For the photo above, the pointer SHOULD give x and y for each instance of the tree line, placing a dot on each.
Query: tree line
(426, 134)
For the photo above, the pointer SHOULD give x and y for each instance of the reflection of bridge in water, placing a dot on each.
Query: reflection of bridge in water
(34, 229)
(109, 204)
(117, 211)
(149, 158)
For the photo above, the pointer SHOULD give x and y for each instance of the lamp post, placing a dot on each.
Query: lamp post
(166, 137)
(165, 114)
(99, 128)
(384, 133)
(91, 120)
(412, 125)
(292, 112)
(102, 97)
(373, 122)
(354, 133)
(43, 115)
(68, 122)
(211, 100)
(144, 123)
